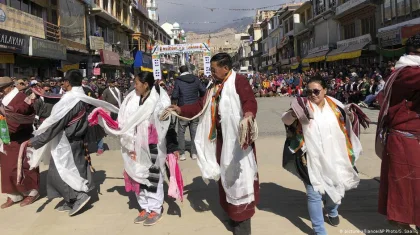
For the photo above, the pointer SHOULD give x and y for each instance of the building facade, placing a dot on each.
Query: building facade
(99, 37)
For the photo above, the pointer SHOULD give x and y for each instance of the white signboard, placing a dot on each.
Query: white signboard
(157, 73)
(207, 66)
(362, 39)
(181, 48)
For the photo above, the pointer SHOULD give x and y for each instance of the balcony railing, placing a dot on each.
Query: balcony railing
(320, 9)
(52, 32)
(333, 3)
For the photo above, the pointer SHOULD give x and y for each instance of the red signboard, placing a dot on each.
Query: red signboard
(110, 58)
(97, 71)
(407, 32)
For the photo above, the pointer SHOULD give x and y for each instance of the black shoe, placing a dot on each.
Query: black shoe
(334, 221)
(79, 204)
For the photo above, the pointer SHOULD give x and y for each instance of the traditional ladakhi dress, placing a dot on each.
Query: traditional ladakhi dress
(141, 131)
(19, 116)
(62, 137)
(237, 87)
(400, 170)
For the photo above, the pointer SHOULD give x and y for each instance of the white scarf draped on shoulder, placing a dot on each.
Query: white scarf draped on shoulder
(134, 122)
(59, 147)
(238, 168)
(329, 168)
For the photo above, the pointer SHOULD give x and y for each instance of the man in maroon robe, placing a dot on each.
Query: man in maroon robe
(221, 65)
(19, 117)
(399, 119)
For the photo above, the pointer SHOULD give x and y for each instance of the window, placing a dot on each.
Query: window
(24, 6)
(54, 17)
(36, 10)
(349, 31)
(105, 5)
(369, 26)
(15, 4)
(400, 8)
(54, 2)
(286, 26)
(415, 4)
(291, 23)
(387, 10)
(118, 11)
(394, 9)
(302, 18)
(309, 13)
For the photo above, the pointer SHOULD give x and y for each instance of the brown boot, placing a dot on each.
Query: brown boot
(8, 203)
(29, 200)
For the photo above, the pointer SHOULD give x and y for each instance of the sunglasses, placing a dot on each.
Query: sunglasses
(314, 91)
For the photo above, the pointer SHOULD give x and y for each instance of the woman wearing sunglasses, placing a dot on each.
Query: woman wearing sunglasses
(322, 149)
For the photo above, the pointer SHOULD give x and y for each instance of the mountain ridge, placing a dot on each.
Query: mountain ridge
(238, 26)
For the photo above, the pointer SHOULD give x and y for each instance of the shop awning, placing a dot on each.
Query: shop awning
(315, 57)
(294, 66)
(145, 69)
(391, 53)
(347, 52)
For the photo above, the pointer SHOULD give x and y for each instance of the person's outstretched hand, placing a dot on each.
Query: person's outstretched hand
(175, 108)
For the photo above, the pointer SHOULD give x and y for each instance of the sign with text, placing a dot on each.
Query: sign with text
(17, 21)
(181, 48)
(207, 65)
(157, 73)
(14, 42)
(352, 41)
(319, 49)
(47, 49)
(110, 58)
(97, 43)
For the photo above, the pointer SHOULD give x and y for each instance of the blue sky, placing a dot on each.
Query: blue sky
(171, 13)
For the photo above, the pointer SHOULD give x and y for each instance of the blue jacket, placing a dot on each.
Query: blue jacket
(188, 89)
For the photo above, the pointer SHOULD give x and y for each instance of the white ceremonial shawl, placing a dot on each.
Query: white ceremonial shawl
(329, 168)
(59, 147)
(238, 168)
(134, 121)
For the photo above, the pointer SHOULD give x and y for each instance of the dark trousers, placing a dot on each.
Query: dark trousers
(242, 227)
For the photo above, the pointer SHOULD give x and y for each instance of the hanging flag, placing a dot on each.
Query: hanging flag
(187, 57)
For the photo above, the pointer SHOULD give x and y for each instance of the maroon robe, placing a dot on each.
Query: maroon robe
(19, 133)
(249, 104)
(399, 189)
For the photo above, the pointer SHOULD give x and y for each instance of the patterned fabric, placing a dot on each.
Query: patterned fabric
(214, 102)
(342, 123)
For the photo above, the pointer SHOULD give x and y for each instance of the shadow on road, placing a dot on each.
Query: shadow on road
(359, 206)
(132, 200)
(203, 197)
(285, 202)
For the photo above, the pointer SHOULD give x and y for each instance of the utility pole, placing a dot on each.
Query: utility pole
(89, 65)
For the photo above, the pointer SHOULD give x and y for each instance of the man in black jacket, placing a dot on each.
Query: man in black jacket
(188, 89)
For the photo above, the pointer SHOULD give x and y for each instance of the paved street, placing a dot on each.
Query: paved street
(282, 209)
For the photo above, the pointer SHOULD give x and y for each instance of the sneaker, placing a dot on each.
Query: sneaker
(99, 152)
(182, 158)
(79, 204)
(363, 104)
(152, 219)
(194, 157)
(334, 221)
(64, 208)
(141, 217)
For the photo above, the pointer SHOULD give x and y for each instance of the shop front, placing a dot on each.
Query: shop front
(393, 38)
(12, 45)
(316, 57)
(110, 64)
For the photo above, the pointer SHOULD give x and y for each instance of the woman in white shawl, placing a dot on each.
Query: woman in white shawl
(325, 148)
(145, 142)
